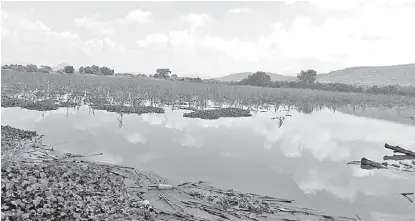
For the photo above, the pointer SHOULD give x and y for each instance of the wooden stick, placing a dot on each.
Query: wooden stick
(398, 149)
(406, 196)
(166, 200)
(369, 164)
(399, 157)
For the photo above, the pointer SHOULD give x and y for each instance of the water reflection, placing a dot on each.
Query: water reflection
(303, 159)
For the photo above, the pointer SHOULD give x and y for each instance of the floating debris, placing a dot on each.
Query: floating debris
(406, 167)
(47, 187)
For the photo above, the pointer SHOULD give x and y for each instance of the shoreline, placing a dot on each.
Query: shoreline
(37, 185)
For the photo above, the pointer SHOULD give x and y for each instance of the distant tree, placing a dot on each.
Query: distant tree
(196, 79)
(81, 70)
(174, 75)
(94, 70)
(106, 71)
(15, 67)
(69, 69)
(141, 75)
(260, 78)
(308, 76)
(45, 69)
(162, 73)
(31, 68)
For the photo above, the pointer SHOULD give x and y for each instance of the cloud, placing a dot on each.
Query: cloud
(37, 26)
(239, 10)
(363, 35)
(234, 48)
(181, 39)
(316, 181)
(191, 140)
(138, 16)
(155, 39)
(102, 45)
(135, 138)
(369, 37)
(334, 5)
(196, 21)
(93, 23)
(355, 4)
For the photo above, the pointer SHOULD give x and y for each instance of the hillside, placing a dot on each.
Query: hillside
(372, 75)
(240, 76)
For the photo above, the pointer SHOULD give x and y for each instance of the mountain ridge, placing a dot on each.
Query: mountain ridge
(241, 75)
(402, 74)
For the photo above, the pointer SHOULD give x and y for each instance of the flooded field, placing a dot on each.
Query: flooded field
(289, 155)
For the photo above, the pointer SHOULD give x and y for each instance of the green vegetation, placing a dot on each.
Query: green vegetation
(69, 69)
(45, 69)
(218, 113)
(258, 79)
(307, 81)
(27, 68)
(137, 91)
(95, 70)
(162, 73)
(308, 76)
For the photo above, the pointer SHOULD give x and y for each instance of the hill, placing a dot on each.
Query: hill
(372, 75)
(240, 76)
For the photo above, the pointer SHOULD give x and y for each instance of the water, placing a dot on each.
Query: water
(304, 160)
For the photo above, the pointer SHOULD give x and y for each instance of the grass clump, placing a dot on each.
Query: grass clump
(218, 113)
(129, 109)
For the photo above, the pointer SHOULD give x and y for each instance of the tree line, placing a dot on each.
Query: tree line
(95, 70)
(307, 80)
(27, 68)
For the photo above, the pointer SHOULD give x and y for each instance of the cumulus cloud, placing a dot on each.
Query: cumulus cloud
(138, 16)
(155, 39)
(316, 181)
(365, 34)
(355, 4)
(102, 45)
(239, 10)
(135, 138)
(196, 21)
(38, 26)
(95, 23)
(369, 37)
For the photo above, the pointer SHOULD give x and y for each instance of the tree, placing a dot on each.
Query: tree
(260, 78)
(81, 70)
(45, 69)
(162, 73)
(31, 68)
(308, 76)
(69, 69)
(106, 71)
(174, 75)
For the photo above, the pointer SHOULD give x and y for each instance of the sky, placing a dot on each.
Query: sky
(210, 39)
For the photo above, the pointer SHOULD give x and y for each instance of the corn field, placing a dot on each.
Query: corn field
(100, 90)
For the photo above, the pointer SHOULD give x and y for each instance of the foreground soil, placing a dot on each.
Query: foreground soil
(39, 184)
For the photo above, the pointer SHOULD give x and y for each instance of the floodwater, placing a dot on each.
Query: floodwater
(305, 159)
